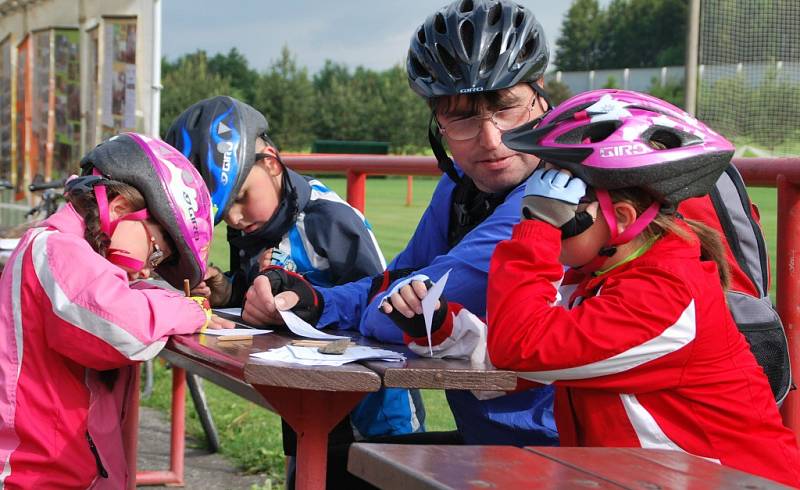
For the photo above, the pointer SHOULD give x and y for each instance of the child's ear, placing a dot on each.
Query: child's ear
(271, 164)
(118, 207)
(625, 214)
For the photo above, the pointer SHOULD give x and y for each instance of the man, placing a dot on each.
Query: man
(479, 64)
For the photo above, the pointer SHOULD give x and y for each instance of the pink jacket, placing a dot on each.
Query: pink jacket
(66, 313)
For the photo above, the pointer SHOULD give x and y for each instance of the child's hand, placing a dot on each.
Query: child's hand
(278, 289)
(217, 322)
(552, 196)
(215, 287)
(264, 259)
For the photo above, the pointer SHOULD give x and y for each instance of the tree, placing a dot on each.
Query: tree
(627, 34)
(187, 81)
(578, 48)
(285, 95)
(235, 68)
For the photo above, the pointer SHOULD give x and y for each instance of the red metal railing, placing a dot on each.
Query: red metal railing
(782, 173)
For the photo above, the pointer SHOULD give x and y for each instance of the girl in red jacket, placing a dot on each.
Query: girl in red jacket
(639, 343)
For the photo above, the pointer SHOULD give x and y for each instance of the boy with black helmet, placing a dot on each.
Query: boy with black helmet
(479, 63)
(286, 226)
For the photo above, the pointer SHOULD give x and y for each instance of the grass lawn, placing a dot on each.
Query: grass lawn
(250, 436)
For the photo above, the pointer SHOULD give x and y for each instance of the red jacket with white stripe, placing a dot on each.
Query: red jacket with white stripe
(648, 355)
(66, 313)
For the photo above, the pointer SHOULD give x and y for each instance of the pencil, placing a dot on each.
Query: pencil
(187, 290)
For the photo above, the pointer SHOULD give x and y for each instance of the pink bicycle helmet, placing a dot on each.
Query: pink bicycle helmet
(614, 139)
(175, 194)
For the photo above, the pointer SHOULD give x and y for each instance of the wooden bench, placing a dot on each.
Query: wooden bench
(401, 467)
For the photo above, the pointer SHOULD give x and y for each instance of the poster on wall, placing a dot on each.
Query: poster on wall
(118, 107)
(6, 165)
(41, 156)
(66, 74)
(22, 129)
(90, 133)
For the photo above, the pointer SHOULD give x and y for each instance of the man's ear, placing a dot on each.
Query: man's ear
(118, 207)
(625, 214)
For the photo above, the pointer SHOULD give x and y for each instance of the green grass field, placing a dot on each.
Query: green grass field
(250, 436)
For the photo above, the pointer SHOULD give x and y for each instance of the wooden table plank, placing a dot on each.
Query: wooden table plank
(233, 358)
(653, 468)
(443, 374)
(403, 467)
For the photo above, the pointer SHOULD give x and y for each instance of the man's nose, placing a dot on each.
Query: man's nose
(490, 135)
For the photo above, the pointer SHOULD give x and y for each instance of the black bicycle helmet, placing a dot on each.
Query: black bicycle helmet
(218, 135)
(474, 46)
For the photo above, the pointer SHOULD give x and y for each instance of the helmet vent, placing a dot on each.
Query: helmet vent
(494, 14)
(467, 36)
(527, 49)
(419, 70)
(466, 6)
(519, 18)
(448, 61)
(439, 24)
(421, 36)
(593, 133)
(492, 54)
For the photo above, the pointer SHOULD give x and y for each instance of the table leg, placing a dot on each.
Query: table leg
(312, 415)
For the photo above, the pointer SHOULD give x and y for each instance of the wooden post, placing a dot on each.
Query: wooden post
(409, 190)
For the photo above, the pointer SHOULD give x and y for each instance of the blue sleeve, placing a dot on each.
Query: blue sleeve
(469, 261)
(344, 305)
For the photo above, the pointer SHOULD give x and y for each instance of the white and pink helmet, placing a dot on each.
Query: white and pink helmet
(615, 139)
(175, 194)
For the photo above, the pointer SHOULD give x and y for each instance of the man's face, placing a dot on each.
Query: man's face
(484, 158)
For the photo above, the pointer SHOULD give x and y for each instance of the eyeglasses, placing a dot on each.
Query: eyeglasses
(156, 256)
(503, 120)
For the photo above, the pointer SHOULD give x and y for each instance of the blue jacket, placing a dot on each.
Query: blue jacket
(524, 418)
(329, 242)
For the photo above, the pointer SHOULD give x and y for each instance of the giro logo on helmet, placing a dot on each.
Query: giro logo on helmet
(226, 149)
(623, 150)
(190, 207)
(470, 90)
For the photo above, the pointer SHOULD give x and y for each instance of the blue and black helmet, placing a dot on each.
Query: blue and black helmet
(218, 135)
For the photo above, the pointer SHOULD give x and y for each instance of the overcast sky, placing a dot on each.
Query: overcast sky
(370, 33)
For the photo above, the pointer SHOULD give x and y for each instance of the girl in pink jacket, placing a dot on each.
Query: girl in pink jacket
(73, 329)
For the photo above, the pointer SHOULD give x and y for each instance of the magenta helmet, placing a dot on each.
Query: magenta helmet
(614, 139)
(175, 194)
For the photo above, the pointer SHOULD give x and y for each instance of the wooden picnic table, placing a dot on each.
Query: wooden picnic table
(400, 467)
(313, 399)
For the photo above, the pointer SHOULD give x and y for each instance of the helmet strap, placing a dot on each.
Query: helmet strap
(445, 163)
(543, 94)
(631, 232)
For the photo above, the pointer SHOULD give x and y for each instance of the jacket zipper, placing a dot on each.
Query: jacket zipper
(100, 469)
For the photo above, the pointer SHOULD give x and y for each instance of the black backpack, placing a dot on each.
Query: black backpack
(728, 209)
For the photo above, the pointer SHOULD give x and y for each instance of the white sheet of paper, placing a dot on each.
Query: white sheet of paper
(229, 311)
(300, 327)
(310, 356)
(429, 304)
(224, 332)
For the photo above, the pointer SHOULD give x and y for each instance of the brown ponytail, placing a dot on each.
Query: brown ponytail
(711, 247)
